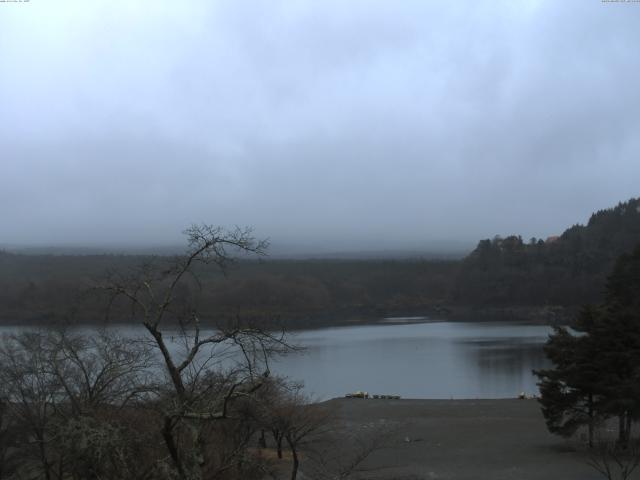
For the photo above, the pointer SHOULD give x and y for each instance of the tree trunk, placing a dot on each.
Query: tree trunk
(277, 436)
(43, 456)
(167, 434)
(172, 370)
(294, 456)
(591, 420)
(620, 429)
(623, 425)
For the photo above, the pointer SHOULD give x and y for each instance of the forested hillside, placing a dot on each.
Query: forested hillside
(296, 292)
(565, 270)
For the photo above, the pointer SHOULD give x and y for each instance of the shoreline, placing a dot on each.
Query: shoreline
(520, 315)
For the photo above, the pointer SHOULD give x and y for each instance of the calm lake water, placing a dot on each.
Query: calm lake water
(415, 360)
(423, 360)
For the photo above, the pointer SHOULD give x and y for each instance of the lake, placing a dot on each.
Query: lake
(419, 360)
(414, 360)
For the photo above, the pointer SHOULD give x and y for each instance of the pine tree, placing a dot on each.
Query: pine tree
(596, 372)
(569, 391)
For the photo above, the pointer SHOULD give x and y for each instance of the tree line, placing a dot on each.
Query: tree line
(296, 293)
(501, 272)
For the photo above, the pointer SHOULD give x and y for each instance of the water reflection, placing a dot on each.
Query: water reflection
(430, 360)
(505, 369)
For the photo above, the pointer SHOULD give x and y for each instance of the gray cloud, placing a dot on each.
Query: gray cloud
(362, 124)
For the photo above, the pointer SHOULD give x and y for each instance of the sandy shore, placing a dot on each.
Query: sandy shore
(465, 439)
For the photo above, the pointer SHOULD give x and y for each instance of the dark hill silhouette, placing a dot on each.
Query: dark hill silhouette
(567, 270)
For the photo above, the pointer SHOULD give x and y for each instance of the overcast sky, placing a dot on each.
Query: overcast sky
(340, 124)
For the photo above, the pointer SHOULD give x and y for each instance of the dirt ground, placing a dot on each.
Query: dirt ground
(464, 439)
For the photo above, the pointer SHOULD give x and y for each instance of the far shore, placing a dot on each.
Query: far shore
(523, 315)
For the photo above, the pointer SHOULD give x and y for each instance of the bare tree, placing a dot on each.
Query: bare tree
(7, 432)
(174, 404)
(31, 393)
(270, 409)
(104, 368)
(292, 417)
(342, 453)
(60, 392)
(211, 369)
(613, 461)
(329, 448)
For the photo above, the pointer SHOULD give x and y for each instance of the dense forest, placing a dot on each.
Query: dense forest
(567, 270)
(54, 288)
(500, 275)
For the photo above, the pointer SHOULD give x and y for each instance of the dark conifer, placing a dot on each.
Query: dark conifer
(596, 372)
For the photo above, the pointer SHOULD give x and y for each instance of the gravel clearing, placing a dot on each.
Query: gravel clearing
(465, 439)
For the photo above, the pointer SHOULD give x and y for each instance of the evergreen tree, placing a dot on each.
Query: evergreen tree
(569, 391)
(596, 373)
(617, 334)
